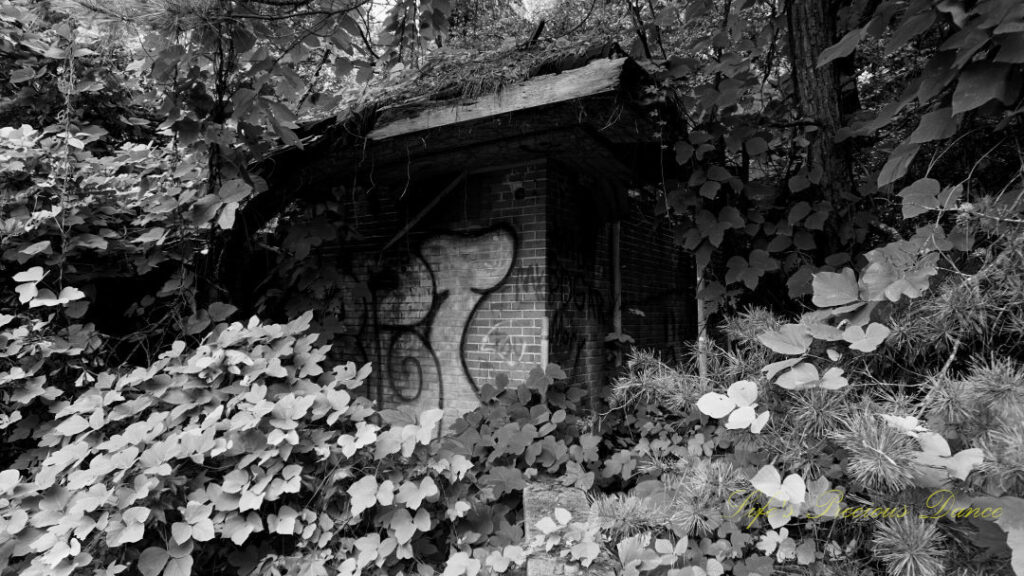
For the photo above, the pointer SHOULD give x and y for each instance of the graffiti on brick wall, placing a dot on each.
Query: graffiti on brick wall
(507, 347)
(577, 303)
(412, 318)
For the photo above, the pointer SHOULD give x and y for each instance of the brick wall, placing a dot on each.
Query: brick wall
(579, 277)
(510, 270)
(454, 302)
(657, 298)
(657, 286)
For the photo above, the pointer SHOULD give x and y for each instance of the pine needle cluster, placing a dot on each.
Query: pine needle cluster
(690, 501)
(910, 546)
(880, 456)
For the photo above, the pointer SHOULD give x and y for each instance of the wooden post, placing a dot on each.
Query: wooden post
(617, 288)
(702, 338)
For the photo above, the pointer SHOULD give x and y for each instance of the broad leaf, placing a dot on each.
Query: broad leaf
(835, 289)
(152, 561)
(770, 483)
(980, 83)
(866, 340)
(803, 375)
(935, 125)
(920, 197)
(897, 164)
(791, 339)
(846, 45)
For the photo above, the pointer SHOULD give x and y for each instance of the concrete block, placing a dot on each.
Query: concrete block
(540, 498)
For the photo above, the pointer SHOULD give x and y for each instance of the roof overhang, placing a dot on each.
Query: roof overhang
(596, 118)
(601, 76)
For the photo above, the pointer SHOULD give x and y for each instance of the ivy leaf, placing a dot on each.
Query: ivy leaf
(775, 367)
(920, 197)
(896, 270)
(152, 561)
(715, 405)
(234, 191)
(181, 532)
(935, 125)
(585, 552)
(835, 289)
(817, 220)
(226, 219)
(235, 481)
(846, 45)
(750, 271)
(743, 393)
(202, 530)
(833, 379)
(152, 235)
(866, 340)
(546, 525)
(819, 497)
(503, 479)
(714, 228)
(948, 198)
(936, 455)
(798, 183)
(33, 274)
(179, 567)
(756, 146)
(798, 212)
(771, 539)
(770, 483)
(363, 494)
(26, 292)
(36, 248)
(805, 552)
(47, 298)
(684, 151)
(286, 518)
(412, 495)
(497, 561)
(745, 417)
(1011, 49)
(909, 29)
(88, 241)
(8, 480)
(72, 425)
(961, 464)
(980, 83)
(710, 189)
(803, 375)
(401, 523)
(779, 516)
(790, 339)
(461, 564)
(219, 311)
(897, 164)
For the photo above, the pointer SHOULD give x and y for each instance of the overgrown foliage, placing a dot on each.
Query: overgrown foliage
(832, 442)
(852, 165)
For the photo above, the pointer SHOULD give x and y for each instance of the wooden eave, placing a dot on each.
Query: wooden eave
(601, 76)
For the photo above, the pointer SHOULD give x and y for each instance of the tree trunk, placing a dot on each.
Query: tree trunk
(812, 28)
(822, 98)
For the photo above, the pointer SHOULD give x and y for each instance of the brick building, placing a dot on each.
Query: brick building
(498, 233)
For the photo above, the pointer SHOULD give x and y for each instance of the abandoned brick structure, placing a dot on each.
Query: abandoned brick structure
(498, 233)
